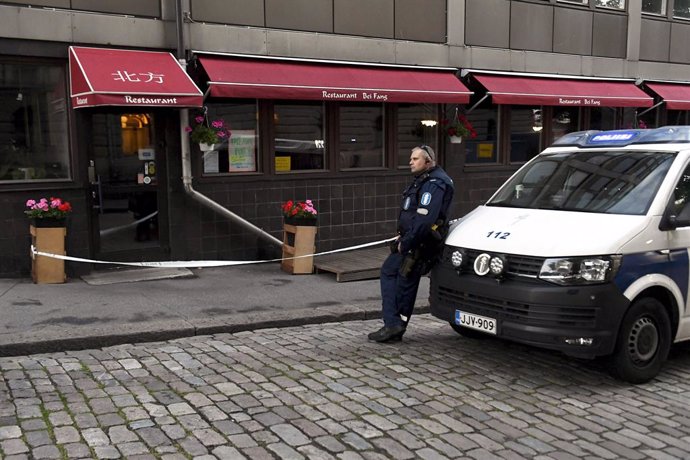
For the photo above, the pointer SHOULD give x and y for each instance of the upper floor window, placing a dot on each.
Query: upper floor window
(654, 6)
(681, 9)
(613, 4)
(33, 122)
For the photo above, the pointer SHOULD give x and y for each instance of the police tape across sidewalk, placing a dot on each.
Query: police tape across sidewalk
(202, 263)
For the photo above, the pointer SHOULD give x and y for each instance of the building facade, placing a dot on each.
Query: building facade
(324, 100)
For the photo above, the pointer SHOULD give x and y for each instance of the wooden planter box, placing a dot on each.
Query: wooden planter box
(47, 270)
(298, 241)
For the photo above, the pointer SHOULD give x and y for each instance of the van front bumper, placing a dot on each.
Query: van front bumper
(534, 312)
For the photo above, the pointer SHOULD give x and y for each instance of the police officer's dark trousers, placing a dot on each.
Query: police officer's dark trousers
(398, 292)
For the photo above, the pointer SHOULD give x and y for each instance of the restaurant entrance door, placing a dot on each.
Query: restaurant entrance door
(125, 171)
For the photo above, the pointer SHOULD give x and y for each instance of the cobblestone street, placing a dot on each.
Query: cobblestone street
(324, 391)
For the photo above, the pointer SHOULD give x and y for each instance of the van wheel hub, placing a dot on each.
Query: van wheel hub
(643, 340)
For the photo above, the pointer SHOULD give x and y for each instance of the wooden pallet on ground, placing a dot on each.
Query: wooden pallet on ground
(354, 265)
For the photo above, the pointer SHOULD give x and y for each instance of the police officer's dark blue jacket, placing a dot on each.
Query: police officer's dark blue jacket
(424, 202)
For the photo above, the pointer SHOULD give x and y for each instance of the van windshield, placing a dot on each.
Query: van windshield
(611, 182)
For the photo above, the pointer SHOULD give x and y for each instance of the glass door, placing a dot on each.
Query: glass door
(124, 173)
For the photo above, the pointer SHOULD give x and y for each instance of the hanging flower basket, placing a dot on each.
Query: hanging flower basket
(204, 147)
(206, 134)
(457, 128)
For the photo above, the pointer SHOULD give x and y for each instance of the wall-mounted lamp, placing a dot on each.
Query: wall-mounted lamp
(429, 123)
(20, 96)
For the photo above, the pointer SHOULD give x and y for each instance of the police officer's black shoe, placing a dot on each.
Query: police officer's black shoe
(388, 334)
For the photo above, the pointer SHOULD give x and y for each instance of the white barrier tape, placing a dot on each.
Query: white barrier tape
(203, 263)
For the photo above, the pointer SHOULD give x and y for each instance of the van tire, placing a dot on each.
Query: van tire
(467, 332)
(643, 342)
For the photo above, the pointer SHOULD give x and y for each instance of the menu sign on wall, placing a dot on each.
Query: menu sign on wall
(242, 151)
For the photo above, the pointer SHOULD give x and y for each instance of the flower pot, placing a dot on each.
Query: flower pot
(301, 221)
(206, 147)
(298, 241)
(455, 139)
(48, 236)
(49, 222)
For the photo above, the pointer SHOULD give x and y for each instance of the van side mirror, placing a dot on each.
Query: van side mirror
(670, 221)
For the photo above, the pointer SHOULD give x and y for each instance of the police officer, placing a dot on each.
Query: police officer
(424, 207)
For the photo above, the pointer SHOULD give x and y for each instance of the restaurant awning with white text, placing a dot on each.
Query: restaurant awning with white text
(532, 90)
(275, 79)
(104, 77)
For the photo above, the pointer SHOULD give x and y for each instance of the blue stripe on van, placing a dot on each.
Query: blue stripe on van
(674, 265)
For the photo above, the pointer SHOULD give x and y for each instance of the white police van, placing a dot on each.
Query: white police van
(583, 250)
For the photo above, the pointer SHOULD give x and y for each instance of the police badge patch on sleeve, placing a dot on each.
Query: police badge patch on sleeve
(426, 199)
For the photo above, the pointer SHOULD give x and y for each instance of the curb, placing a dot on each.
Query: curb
(52, 339)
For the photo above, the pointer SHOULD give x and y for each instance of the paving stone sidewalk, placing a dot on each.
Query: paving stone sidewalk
(325, 392)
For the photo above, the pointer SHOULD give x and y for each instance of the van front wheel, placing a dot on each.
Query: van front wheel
(643, 342)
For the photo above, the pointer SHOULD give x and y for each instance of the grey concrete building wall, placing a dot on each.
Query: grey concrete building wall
(307, 15)
(49, 3)
(655, 40)
(680, 37)
(531, 26)
(370, 18)
(609, 35)
(478, 34)
(422, 20)
(150, 8)
(572, 31)
(487, 23)
(240, 12)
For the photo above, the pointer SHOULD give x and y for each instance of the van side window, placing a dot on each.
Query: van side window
(681, 194)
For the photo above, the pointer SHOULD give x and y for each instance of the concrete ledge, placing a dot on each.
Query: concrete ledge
(53, 339)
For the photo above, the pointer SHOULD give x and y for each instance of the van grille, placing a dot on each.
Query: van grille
(534, 315)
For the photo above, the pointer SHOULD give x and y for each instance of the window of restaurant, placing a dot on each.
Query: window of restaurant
(677, 117)
(564, 120)
(299, 136)
(648, 118)
(483, 149)
(33, 122)
(361, 143)
(526, 126)
(602, 118)
(417, 124)
(239, 153)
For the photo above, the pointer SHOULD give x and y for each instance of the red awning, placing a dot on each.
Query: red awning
(270, 79)
(101, 76)
(677, 97)
(505, 89)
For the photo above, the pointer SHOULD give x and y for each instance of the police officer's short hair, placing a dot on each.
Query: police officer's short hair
(428, 152)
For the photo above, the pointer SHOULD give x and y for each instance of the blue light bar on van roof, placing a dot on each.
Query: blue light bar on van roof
(622, 137)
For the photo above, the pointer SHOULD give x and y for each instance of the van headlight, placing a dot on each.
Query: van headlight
(579, 270)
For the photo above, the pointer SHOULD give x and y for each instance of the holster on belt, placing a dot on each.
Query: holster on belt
(409, 262)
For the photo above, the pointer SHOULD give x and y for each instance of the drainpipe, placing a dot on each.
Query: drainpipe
(187, 158)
